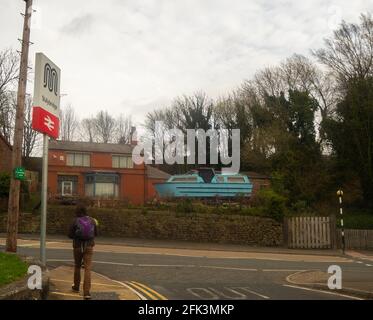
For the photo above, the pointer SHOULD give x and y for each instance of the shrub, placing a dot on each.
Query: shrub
(185, 206)
(271, 203)
(4, 184)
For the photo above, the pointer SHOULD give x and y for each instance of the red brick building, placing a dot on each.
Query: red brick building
(99, 170)
(5, 155)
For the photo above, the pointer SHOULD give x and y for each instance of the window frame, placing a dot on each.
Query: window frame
(72, 162)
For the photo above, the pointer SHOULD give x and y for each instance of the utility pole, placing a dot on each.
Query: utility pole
(14, 191)
(340, 196)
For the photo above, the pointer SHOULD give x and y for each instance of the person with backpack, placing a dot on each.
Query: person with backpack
(83, 231)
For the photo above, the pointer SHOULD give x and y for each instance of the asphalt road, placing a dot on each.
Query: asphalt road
(181, 275)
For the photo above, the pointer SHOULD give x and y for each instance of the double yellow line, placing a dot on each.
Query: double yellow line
(149, 292)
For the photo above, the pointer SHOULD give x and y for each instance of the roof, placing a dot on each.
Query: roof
(6, 142)
(90, 147)
(154, 173)
(255, 175)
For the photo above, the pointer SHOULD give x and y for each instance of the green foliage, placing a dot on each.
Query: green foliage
(351, 133)
(270, 203)
(4, 184)
(11, 268)
(185, 206)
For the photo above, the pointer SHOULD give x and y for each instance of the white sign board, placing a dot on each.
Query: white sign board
(47, 85)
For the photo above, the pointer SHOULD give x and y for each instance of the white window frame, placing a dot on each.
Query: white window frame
(63, 188)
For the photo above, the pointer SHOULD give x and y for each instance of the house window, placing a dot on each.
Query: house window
(122, 161)
(102, 185)
(78, 159)
(67, 185)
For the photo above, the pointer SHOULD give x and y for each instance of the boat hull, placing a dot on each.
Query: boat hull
(203, 190)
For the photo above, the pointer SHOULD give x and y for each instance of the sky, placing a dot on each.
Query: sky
(132, 56)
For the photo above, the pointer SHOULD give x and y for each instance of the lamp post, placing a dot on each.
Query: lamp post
(340, 196)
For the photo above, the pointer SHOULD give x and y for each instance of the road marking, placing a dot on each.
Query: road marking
(93, 283)
(368, 265)
(282, 270)
(162, 297)
(193, 291)
(66, 294)
(167, 265)
(99, 262)
(229, 268)
(124, 285)
(252, 292)
(146, 292)
(322, 291)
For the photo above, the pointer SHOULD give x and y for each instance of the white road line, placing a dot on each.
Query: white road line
(369, 265)
(322, 291)
(167, 265)
(99, 262)
(282, 270)
(229, 268)
(253, 292)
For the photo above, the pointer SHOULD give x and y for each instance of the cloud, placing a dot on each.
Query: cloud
(130, 56)
(79, 25)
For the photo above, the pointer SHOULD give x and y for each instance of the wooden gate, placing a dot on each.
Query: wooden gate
(310, 232)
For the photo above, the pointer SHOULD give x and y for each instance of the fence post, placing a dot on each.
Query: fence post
(285, 231)
(333, 231)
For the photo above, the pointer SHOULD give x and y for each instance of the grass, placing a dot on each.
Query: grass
(11, 268)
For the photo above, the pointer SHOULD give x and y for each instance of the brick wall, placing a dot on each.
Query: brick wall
(164, 225)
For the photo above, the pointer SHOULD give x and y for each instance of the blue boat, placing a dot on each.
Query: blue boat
(205, 183)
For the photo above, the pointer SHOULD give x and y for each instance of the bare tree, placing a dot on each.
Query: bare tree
(104, 125)
(123, 129)
(29, 135)
(87, 130)
(69, 123)
(9, 70)
(7, 114)
(349, 53)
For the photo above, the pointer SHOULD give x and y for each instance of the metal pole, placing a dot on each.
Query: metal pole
(44, 199)
(340, 195)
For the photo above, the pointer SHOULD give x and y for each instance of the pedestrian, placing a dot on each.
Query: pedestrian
(83, 231)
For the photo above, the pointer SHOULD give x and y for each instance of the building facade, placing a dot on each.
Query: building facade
(99, 170)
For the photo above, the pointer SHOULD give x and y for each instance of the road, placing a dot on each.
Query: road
(203, 274)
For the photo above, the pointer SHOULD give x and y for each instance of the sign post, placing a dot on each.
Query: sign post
(45, 119)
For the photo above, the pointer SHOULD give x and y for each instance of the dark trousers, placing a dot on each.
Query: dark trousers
(83, 254)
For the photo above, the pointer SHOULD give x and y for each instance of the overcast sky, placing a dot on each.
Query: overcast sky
(131, 56)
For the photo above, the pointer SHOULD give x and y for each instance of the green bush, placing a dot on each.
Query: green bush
(4, 184)
(185, 206)
(270, 203)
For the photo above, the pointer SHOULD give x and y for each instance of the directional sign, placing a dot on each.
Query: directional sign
(19, 173)
(46, 104)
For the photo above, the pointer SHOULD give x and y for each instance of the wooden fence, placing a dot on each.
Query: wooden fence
(310, 232)
(356, 239)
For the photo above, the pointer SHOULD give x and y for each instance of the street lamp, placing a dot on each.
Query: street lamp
(340, 196)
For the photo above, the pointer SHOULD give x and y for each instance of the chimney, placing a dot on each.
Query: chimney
(133, 135)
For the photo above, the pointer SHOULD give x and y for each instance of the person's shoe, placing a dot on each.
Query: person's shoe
(87, 296)
(74, 289)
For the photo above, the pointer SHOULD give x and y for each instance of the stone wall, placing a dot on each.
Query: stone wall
(202, 227)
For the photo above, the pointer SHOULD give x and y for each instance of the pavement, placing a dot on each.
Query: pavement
(133, 269)
(102, 288)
